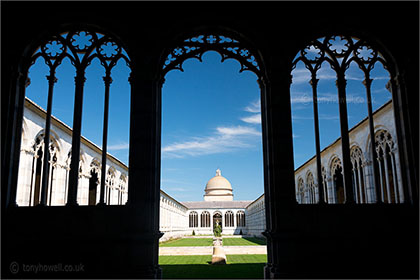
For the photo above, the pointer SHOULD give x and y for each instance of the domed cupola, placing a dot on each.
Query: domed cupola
(218, 188)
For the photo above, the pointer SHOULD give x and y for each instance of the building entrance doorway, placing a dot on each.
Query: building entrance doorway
(217, 220)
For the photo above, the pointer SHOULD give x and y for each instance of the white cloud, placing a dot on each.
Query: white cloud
(320, 117)
(226, 139)
(254, 119)
(325, 98)
(300, 98)
(328, 117)
(237, 130)
(254, 107)
(300, 76)
(115, 147)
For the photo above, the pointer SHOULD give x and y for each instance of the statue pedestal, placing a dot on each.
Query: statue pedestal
(219, 256)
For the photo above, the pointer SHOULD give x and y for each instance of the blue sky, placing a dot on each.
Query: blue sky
(210, 118)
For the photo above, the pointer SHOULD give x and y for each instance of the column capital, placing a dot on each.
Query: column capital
(51, 79)
(341, 81)
(367, 82)
(80, 76)
(107, 79)
(314, 81)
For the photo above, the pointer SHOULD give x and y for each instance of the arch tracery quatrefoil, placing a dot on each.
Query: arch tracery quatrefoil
(196, 46)
(81, 47)
(339, 52)
(383, 139)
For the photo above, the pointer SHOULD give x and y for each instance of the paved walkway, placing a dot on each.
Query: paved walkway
(211, 236)
(208, 250)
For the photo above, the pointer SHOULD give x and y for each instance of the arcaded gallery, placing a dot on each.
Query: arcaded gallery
(339, 95)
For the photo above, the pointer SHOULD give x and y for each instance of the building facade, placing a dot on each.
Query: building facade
(176, 218)
(386, 159)
(218, 207)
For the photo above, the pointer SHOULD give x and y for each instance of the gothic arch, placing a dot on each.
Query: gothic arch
(311, 187)
(379, 127)
(80, 43)
(300, 189)
(340, 50)
(229, 219)
(53, 137)
(193, 219)
(227, 42)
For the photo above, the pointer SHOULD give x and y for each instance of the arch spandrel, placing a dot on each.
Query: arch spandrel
(228, 45)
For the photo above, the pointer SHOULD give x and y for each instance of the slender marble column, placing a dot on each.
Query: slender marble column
(388, 187)
(394, 178)
(356, 194)
(368, 82)
(314, 83)
(108, 81)
(46, 166)
(345, 143)
(77, 128)
(361, 189)
(381, 178)
(399, 178)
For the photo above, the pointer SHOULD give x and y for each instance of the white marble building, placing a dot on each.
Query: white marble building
(30, 165)
(256, 216)
(175, 217)
(386, 157)
(182, 218)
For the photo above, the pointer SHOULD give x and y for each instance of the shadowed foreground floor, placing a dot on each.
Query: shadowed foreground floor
(189, 267)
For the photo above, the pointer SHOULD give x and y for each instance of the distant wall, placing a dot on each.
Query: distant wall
(255, 219)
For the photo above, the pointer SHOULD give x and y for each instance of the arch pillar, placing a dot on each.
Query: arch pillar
(278, 169)
(14, 131)
(24, 179)
(144, 172)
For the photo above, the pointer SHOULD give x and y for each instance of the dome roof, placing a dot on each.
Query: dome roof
(218, 188)
(218, 182)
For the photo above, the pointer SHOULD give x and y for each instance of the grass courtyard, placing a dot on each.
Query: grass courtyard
(192, 242)
(194, 267)
(244, 241)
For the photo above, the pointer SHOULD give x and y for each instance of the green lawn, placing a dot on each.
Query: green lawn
(194, 267)
(244, 241)
(188, 242)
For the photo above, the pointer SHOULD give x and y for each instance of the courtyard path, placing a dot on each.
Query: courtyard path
(208, 250)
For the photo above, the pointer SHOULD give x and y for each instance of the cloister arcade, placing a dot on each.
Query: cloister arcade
(347, 217)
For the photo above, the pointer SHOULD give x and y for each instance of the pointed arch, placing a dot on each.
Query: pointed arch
(193, 219)
(229, 219)
(336, 171)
